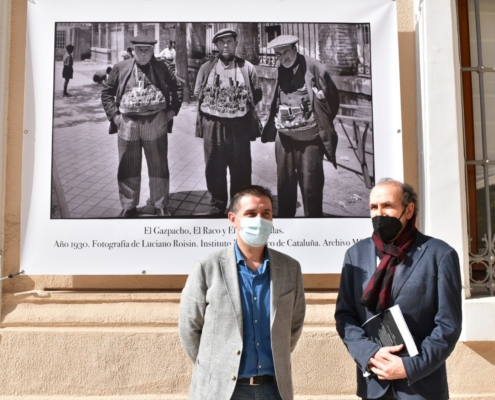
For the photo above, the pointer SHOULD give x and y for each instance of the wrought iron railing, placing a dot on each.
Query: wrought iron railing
(479, 165)
(307, 34)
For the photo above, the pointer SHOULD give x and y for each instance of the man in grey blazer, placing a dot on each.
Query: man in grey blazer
(400, 265)
(242, 310)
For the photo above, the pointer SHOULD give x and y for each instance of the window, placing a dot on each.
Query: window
(477, 45)
(363, 50)
(272, 32)
(60, 39)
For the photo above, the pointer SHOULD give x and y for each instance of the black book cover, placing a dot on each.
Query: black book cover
(390, 329)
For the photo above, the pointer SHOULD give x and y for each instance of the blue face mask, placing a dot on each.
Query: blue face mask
(255, 231)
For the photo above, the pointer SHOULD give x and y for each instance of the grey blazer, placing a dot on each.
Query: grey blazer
(210, 322)
(428, 290)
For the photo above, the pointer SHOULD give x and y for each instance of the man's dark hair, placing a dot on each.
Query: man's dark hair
(129, 50)
(251, 190)
(109, 69)
(409, 195)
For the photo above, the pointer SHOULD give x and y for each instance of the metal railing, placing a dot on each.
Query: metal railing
(482, 259)
(306, 32)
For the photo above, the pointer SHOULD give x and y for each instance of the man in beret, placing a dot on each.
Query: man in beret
(143, 129)
(227, 89)
(303, 108)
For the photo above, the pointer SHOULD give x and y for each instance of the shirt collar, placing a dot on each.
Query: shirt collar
(241, 262)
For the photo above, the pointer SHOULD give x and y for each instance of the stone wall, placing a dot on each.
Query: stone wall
(338, 48)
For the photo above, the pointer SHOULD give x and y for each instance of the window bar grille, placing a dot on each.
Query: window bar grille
(486, 257)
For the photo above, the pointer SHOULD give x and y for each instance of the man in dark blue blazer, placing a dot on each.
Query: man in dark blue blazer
(400, 265)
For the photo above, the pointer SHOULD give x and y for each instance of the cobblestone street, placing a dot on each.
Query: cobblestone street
(85, 160)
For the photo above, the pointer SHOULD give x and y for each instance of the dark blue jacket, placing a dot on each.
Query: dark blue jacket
(428, 291)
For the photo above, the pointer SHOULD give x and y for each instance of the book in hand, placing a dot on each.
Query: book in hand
(389, 328)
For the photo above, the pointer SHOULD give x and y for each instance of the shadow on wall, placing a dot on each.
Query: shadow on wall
(483, 349)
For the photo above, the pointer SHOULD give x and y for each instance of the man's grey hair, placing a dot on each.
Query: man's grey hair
(409, 195)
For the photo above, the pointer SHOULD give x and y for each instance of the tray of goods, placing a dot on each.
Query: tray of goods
(141, 101)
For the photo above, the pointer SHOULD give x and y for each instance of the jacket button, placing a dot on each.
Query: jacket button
(238, 352)
(233, 377)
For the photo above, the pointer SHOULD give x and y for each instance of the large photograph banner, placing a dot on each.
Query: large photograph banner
(143, 118)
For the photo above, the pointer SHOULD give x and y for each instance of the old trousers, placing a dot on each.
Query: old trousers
(136, 134)
(226, 145)
(299, 162)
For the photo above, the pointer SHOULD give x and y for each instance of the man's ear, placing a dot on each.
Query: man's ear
(231, 217)
(410, 210)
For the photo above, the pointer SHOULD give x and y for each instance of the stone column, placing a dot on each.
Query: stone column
(157, 37)
(107, 36)
(92, 35)
(99, 35)
(138, 28)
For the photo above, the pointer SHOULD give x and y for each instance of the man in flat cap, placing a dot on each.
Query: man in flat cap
(227, 89)
(140, 97)
(303, 108)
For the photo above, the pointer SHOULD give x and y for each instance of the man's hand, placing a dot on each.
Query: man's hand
(170, 114)
(278, 124)
(386, 365)
(116, 119)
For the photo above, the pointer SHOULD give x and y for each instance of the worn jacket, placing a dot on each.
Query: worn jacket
(428, 291)
(316, 75)
(114, 87)
(210, 322)
(254, 93)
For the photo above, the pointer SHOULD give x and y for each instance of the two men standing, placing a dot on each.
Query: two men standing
(303, 107)
(242, 308)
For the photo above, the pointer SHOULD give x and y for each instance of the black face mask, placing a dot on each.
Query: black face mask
(385, 227)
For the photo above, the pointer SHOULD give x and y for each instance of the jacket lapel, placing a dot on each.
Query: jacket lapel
(230, 275)
(413, 256)
(369, 262)
(127, 75)
(310, 81)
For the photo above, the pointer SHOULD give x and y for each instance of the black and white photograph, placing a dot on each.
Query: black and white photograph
(141, 121)
(168, 119)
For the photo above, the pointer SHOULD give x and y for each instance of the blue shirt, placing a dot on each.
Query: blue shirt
(256, 358)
